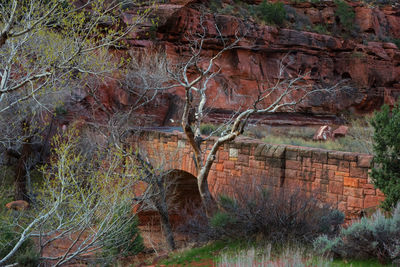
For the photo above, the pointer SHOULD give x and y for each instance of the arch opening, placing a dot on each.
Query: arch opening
(182, 194)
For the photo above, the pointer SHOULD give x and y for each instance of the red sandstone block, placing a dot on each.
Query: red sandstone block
(338, 178)
(330, 167)
(368, 186)
(223, 155)
(324, 187)
(331, 199)
(316, 186)
(290, 173)
(341, 173)
(364, 161)
(307, 162)
(357, 171)
(371, 201)
(362, 181)
(320, 156)
(369, 192)
(379, 193)
(308, 175)
(229, 164)
(330, 174)
(336, 188)
(219, 167)
(355, 202)
(244, 159)
(294, 165)
(292, 183)
(245, 150)
(342, 198)
(354, 192)
(317, 165)
(291, 154)
(344, 166)
(275, 172)
(349, 181)
(342, 206)
(333, 162)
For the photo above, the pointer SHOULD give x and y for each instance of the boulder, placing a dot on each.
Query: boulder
(17, 205)
(341, 131)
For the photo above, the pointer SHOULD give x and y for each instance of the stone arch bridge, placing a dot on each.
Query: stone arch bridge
(339, 178)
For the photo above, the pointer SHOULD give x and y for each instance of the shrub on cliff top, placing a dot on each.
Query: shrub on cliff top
(345, 14)
(386, 171)
(272, 13)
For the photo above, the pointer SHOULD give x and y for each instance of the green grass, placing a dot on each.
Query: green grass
(237, 252)
(204, 253)
(356, 263)
(341, 144)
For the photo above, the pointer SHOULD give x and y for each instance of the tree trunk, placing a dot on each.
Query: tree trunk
(21, 192)
(205, 194)
(166, 225)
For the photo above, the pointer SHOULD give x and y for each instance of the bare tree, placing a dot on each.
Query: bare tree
(142, 82)
(195, 74)
(86, 202)
(48, 49)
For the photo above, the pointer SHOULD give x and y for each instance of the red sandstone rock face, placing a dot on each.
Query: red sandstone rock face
(372, 69)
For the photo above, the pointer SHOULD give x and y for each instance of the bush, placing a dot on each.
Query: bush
(27, 255)
(345, 14)
(272, 13)
(386, 171)
(277, 217)
(375, 237)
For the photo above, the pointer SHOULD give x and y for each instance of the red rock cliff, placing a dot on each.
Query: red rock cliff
(371, 66)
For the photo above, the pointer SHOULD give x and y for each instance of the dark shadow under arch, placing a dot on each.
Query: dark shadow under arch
(183, 193)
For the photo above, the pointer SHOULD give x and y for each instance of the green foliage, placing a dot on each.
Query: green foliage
(203, 253)
(386, 171)
(345, 14)
(27, 254)
(320, 28)
(220, 220)
(28, 257)
(132, 242)
(376, 237)
(271, 13)
(396, 42)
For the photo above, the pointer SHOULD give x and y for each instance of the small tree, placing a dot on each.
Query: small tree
(86, 199)
(386, 171)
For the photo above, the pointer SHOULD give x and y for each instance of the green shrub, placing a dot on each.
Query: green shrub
(26, 255)
(386, 171)
(29, 257)
(396, 42)
(345, 14)
(221, 220)
(271, 13)
(375, 237)
(320, 28)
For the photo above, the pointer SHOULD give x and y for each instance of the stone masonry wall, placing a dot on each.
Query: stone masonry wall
(339, 178)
